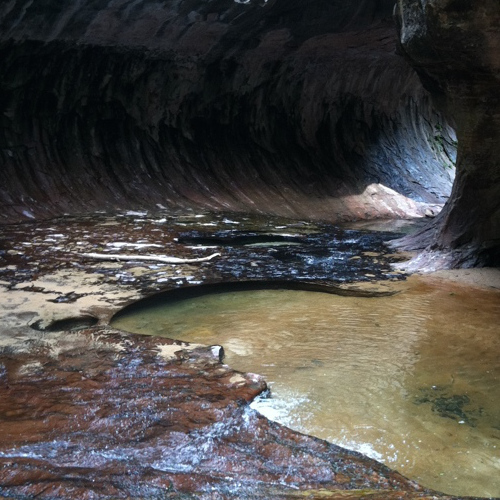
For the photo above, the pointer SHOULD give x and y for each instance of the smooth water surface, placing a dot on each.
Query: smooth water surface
(412, 380)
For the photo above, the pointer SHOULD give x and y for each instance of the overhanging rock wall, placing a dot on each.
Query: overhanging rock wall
(281, 107)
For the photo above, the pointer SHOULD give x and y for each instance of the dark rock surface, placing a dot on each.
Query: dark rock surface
(455, 48)
(277, 107)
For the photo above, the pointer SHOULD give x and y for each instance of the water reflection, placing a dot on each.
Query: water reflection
(411, 380)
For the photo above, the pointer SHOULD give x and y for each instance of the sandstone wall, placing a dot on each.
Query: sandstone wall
(284, 107)
(454, 45)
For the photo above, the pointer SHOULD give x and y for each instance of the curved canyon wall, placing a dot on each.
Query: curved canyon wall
(280, 106)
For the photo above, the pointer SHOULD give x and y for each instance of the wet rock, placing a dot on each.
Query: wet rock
(78, 323)
(117, 415)
(102, 413)
(454, 406)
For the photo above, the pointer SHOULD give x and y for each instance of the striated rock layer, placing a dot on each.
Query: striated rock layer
(278, 107)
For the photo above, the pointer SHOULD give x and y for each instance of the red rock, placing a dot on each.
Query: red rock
(113, 417)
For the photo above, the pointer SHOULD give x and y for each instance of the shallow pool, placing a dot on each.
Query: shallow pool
(412, 380)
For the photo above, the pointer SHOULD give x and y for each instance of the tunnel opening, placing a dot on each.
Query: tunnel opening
(302, 111)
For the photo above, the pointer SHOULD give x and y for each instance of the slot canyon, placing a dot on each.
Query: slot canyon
(153, 146)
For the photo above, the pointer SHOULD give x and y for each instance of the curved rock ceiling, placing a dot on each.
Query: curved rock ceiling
(280, 106)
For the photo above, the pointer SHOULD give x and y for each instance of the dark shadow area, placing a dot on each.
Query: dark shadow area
(282, 108)
(67, 324)
(192, 292)
(237, 238)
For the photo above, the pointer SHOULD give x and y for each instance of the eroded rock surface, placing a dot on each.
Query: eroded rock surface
(276, 107)
(108, 414)
(105, 413)
(279, 107)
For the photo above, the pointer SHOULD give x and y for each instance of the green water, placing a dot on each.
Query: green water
(411, 380)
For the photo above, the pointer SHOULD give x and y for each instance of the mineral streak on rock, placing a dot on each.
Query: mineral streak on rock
(280, 107)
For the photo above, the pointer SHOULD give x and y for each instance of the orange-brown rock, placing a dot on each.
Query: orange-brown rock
(88, 411)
